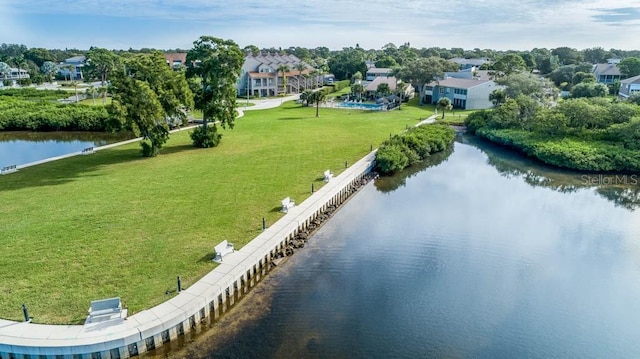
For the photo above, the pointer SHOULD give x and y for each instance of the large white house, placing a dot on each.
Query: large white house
(260, 76)
(469, 94)
(72, 67)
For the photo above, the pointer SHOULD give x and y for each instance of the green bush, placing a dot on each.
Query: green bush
(341, 84)
(205, 137)
(569, 152)
(413, 146)
(44, 115)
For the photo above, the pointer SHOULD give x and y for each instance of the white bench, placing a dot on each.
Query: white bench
(222, 249)
(287, 203)
(328, 175)
(105, 309)
(8, 169)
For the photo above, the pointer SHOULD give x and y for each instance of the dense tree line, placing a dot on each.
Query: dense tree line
(581, 133)
(347, 61)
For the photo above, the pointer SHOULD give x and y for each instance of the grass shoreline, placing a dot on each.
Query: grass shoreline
(115, 224)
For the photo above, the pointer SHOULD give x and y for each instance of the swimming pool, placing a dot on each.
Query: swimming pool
(360, 106)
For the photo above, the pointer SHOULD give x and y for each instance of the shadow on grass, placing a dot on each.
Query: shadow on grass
(208, 258)
(176, 149)
(276, 209)
(291, 118)
(72, 168)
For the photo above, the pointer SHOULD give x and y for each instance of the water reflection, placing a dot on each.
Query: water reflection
(621, 189)
(392, 183)
(20, 147)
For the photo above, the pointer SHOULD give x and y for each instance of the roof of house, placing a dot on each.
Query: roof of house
(275, 60)
(458, 83)
(468, 74)
(606, 69)
(80, 58)
(379, 70)
(373, 85)
(173, 57)
(474, 62)
(631, 80)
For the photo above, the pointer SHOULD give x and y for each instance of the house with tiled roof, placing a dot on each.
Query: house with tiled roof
(176, 60)
(468, 94)
(629, 87)
(260, 76)
(606, 73)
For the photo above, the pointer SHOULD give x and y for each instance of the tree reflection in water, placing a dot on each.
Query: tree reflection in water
(621, 189)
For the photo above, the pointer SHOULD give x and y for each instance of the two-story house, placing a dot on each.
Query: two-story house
(13, 76)
(261, 75)
(468, 94)
(629, 86)
(606, 73)
(72, 67)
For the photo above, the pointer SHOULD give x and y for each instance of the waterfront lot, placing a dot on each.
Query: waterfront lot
(115, 224)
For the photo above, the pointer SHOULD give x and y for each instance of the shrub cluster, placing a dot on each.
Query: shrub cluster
(43, 115)
(337, 86)
(569, 152)
(33, 94)
(416, 144)
(584, 134)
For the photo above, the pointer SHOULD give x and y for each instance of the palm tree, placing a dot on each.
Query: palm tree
(317, 97)
(5, 69)
(314, 74)
(444, 104)
(19, 60)
(283, 69)
(71, 69)
(300, 67)
(92, 91)
(402, 88)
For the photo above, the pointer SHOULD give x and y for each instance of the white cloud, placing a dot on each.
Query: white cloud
(500, 24)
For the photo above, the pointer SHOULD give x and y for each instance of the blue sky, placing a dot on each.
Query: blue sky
(497, 24)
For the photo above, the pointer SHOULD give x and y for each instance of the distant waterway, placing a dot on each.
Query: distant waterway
(480, 253)
(18, 148)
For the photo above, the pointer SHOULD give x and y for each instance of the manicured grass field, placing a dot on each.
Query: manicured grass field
(115, 224)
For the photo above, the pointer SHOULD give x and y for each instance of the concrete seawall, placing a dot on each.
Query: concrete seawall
(204, 301)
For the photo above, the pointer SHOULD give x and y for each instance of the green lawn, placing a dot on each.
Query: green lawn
(114, 224)
(97, 102)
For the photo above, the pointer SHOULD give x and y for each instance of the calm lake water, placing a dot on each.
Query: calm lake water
(18, 148)
(483, 255)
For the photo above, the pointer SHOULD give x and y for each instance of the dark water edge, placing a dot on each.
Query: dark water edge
(484, 254)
